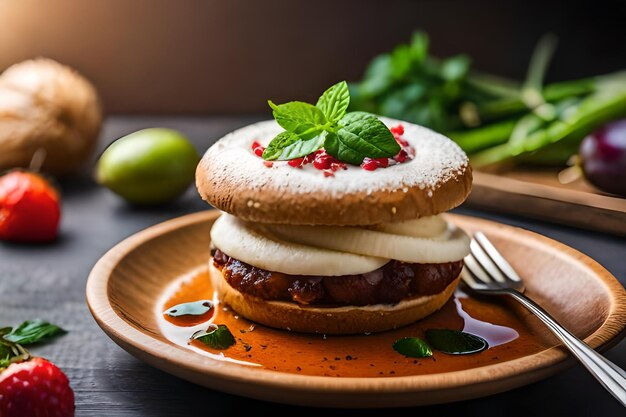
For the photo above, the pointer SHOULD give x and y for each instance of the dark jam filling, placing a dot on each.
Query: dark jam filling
(389, 284)
(329, 165)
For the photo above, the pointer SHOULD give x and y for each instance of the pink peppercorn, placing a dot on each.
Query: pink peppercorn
(257, 148)
(397, 130)
(296, 163)
(369, 164)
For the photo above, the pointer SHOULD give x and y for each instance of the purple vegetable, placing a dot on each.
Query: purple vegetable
(603, 157)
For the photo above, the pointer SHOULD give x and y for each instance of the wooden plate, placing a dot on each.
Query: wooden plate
(126, 284)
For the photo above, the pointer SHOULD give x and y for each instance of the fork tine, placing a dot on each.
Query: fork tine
(477, 271)
(496, 257)
(486, 262)
(470, 280)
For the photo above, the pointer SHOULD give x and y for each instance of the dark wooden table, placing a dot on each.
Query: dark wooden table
(48, 282)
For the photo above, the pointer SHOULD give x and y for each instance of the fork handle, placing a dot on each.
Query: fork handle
(611, 376)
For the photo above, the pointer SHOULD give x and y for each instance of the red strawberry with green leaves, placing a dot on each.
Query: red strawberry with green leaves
(31, 387)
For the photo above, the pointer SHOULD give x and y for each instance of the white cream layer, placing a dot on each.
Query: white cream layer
(336, 251)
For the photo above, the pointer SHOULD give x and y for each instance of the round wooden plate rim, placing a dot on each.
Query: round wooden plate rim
(611, 330)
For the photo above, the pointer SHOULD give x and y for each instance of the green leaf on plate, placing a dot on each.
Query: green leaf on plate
(216, 337)
(412, 347)
(195, 308)
(455, 342)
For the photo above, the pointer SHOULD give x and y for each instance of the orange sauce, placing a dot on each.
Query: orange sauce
(359, 355)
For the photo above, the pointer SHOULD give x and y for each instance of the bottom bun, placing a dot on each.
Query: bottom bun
(329, 320)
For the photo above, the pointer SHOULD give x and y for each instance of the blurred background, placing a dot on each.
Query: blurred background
(106, 136)
(212, 56)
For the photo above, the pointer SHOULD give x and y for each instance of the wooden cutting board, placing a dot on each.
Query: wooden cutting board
(538, 193)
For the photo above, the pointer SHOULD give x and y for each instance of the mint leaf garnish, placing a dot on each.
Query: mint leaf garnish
(288, 145)
(361, 135)
(282, 141)
(455, 342)
(349, 137)
(216, 337)
(342, 149)
(303, 119)
(334, 102)
(412, 347)
(33, 331)
(195, 308)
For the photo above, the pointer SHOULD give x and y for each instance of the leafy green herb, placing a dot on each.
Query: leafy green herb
(288, 145)
(349, 137)
(412, 347)
(361, 135)
(216, 337)
(196, 308)
(33, 331)
(492, 118)
(303, 119)
(334, 102)
(455, 342)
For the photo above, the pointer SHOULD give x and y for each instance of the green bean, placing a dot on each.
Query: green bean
(575, 124)
(483, 137)
(552, 92)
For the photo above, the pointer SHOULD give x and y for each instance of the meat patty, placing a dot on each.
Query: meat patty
(389, 284)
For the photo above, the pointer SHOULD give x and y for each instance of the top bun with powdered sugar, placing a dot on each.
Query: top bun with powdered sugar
(432, 177)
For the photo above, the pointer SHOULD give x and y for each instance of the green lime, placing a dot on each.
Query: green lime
(150, 166)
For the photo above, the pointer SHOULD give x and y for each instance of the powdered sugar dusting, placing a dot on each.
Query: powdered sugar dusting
(437, 159)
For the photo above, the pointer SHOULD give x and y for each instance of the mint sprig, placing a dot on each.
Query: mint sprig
(349, 137)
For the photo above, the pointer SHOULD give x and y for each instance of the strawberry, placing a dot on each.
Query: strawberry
(29, 208)
(35, 388)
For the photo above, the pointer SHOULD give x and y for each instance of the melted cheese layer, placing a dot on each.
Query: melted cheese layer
(336, 251)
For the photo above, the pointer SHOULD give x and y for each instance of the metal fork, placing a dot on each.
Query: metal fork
(487, 272)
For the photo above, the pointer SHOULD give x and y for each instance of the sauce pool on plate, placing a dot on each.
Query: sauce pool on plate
(367, 355)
